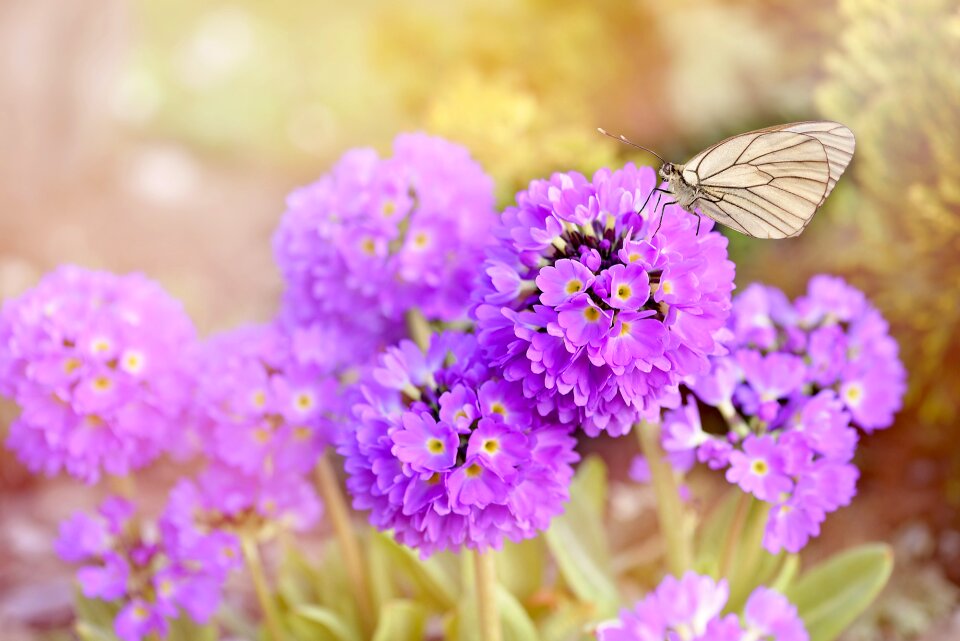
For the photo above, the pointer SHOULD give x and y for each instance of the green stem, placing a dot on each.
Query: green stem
(485, 575)
(670, 511)
(736, 529)
(251, 554)
(418, 328)
(339, 515)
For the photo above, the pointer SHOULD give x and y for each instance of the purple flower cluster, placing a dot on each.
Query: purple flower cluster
(268, 411)
(376, 236)
(797, 380)
(689, 609)
(96, 363)
(446, 454)
(596, 312)
(155, 573)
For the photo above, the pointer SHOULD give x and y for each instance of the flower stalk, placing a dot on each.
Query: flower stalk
(488, 614)
(251, 554)
(339, 515)
(673, 524)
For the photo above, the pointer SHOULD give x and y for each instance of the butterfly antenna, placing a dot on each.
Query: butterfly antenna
(622, 138)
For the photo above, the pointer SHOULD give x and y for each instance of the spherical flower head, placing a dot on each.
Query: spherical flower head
(690, 609)
(155, 571)
(795, 382)
(446, 454)
(597, 313)
(375, 236)
(97, 363)
(266, 407)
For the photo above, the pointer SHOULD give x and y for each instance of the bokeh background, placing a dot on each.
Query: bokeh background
(162, 136)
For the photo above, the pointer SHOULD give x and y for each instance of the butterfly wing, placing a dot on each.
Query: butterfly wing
(767, 183)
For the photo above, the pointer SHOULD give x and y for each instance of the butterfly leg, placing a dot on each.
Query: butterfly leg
(659, 192)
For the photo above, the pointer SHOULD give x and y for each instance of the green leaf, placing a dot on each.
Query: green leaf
(87, 632)
(401, 620)
(97, 613)
(431, 578)
(517, 624)
(521, 566)
(578, 541)
(185, 629)
(835, 592)
(713, 534)
(331, 623)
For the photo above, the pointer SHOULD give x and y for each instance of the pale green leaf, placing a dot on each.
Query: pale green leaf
(331, 623)
(578, 541)
(835, 592)
(87, 632)
(521, 566)
(401, 620)
(429, 576)
(517, 625)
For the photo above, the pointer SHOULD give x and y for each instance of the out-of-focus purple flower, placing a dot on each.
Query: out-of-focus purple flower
(265, 408)
(598, 317)
(97, 364)
(759, 468)
(154, 572)
(769, 615)
(446, 454)
(795, 382)
(690, 609)
(375, 236)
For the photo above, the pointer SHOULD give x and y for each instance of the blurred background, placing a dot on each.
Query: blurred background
(162, 136)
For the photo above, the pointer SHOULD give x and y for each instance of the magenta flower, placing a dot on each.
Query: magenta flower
(796, 381)
(446, 454)
(690, 608)
(375, 236)
(265, 408)
(155, 572)
(759, 468)
(97, 364)
(596, 316)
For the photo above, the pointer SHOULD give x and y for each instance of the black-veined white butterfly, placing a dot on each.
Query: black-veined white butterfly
(766, 183)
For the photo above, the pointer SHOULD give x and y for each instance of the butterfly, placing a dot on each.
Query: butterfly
(766, 183)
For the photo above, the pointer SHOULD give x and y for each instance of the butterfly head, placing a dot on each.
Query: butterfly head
(667, 170)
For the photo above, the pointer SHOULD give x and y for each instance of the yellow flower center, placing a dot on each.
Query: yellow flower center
(261, 435)
(302, 433)
(624, 329)
(140, 613)
(573, 286)
(368, 246)
(420, 240)
(759, 467)
(592, 314)
(491, 446)
(303, 401)
(624, 292)
(389, 208)
(71, 365)
(132, 362)
(102, 383)
(666, 287)
(433, 480)
(460, 414)
(853, 393)
(474, 471)
(258, 398)
(633, 257)
(100, 345)
(498, 408)
(435, 446)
